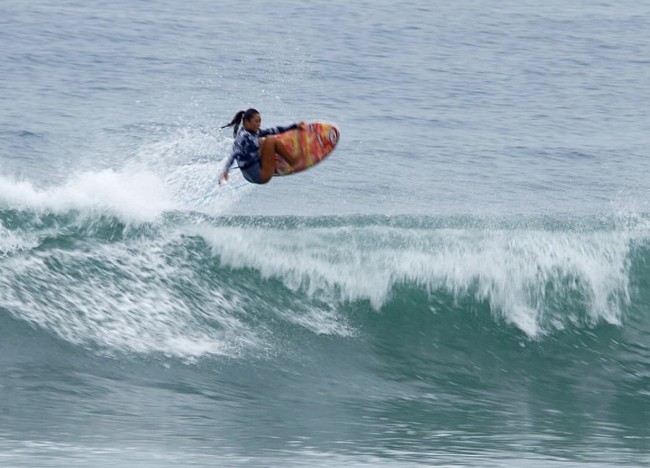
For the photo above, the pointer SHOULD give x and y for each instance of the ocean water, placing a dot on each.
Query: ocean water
(464, 282)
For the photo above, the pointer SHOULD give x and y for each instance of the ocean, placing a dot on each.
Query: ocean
(465, 281)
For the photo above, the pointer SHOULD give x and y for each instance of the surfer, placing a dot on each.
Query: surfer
(255, 149)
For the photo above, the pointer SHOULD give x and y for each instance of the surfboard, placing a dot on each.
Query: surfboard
(311, 145)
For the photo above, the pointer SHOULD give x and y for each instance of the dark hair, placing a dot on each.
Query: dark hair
(240, 117)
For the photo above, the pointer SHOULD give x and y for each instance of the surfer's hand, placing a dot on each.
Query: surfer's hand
(223, 178)
(302, 125)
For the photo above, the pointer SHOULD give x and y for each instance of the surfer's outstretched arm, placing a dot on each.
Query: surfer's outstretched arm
(279, 129)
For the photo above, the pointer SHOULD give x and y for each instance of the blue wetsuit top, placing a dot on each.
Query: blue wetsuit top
(246, 148)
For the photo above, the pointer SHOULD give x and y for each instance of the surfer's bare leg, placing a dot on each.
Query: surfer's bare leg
(282, 151)
(268, 147)
(267, 155)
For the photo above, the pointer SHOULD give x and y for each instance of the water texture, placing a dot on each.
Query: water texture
(465, 281)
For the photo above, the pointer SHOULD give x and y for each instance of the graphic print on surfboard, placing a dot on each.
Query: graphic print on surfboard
(311, 145)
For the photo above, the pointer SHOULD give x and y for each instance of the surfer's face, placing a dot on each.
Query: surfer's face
(253, 125)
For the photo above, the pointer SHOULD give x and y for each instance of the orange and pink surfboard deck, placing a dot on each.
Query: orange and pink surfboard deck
(311, 145)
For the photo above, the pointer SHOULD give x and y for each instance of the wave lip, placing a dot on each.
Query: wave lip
(537, 280)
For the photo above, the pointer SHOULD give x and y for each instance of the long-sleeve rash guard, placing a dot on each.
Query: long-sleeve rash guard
(246, 147)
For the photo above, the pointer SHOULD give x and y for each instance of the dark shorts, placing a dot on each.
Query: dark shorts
(253, 173)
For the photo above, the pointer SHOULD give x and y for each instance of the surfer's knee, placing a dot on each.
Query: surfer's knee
(267, 142)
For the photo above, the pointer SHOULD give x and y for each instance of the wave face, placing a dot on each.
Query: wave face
(412, 322)
(194, 285)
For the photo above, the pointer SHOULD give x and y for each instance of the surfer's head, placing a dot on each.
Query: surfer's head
(250, 118)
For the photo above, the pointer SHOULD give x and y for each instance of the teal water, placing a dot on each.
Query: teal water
(464, 282)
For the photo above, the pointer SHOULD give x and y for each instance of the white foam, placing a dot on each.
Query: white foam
(11, 241)
(129, 303)
(134, 196)
(520, 273)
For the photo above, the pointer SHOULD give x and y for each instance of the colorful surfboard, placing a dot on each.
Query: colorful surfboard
(311, 145)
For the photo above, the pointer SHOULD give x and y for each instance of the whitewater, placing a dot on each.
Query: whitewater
(464, 282)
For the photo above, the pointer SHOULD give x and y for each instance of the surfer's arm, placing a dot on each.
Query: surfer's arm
(246, 148)
(277, 130)
(226, 167)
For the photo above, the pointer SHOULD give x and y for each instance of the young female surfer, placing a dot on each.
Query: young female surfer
(255, 149)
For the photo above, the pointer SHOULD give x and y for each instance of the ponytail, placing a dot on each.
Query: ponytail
(239, 118)
(236, 121)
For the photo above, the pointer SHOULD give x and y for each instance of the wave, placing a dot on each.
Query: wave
(190, 284)
(537, 280)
